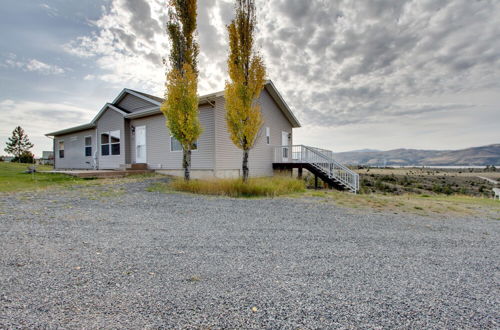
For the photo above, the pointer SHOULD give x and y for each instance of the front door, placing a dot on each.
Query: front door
(285, 148)
(140, 144)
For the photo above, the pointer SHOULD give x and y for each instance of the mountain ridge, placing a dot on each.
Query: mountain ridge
(474, 156)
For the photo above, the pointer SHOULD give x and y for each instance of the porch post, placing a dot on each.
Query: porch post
(300, 172)
(315, 181)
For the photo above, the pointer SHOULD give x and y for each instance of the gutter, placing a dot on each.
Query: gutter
(144, 113)
(207, 99)
(72, 129)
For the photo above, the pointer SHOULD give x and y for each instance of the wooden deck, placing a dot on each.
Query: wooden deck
(319, 162)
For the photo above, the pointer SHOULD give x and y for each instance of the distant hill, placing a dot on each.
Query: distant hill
(477, 156)
(365, 150)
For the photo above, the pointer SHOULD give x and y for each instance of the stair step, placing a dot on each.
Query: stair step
(139, 166)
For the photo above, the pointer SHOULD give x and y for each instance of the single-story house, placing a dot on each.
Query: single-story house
(47, 158)
(131, 130)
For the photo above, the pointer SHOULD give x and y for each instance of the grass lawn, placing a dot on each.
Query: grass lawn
(429, 205)
(13, 178)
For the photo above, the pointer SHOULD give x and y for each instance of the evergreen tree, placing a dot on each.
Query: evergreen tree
(18, 143)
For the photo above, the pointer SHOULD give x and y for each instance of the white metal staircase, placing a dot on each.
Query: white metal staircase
(319, 161)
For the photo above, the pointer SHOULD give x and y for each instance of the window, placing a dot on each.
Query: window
(110, 143)
(88, 146)
(176, 145)
(268, 135)
(61, 149)
(105, 144)
(115, 142)
(285, 152)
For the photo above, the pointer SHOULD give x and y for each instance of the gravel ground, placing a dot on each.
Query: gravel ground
(118, 256)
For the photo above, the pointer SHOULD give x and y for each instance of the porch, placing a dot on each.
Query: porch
(318, 161)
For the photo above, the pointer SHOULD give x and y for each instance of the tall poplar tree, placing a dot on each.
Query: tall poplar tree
(247, 78)
(181, 99)
(18, 143)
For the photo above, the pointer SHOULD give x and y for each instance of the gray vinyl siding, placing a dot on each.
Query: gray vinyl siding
(74, 150)
(215, 148)
(128, 150)
(133, 103)
(158, 154)
(111, 121)
(229, 157)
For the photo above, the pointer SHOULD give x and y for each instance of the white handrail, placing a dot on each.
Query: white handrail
(321, 159)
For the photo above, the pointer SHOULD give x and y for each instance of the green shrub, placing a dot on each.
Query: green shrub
(309, 181)
(445, 189)
(256, 187)
(26, 157)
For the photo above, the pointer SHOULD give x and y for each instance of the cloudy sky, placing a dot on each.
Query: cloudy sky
(358, 74)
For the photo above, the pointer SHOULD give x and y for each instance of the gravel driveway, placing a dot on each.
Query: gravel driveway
(119, 256)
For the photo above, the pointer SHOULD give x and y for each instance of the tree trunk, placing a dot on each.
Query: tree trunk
(186, 164)
(245, 166)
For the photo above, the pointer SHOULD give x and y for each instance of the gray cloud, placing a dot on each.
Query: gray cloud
(360, 58)
(140, 20)
(336, 62)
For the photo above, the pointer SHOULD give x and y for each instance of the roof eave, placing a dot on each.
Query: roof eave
(273, 91)
(144, 113)
(104, 108)
(72, 129)
(132, 92)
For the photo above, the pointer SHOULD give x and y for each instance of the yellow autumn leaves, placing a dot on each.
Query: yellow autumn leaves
(181, 106)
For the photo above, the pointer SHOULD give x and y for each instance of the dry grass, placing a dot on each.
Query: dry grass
(399, 181)
(429, 205)
(419, 171)
(256, 187)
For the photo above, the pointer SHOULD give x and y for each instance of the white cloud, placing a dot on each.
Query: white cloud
(34, 65)
(43, 68)
(128, 45)
(6, 103)
(50, 10)
(39, 118)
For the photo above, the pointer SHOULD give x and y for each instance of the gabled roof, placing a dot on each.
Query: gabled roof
(157, 101)
(108, 106)
(150, 98)
(271, 89)
(269, 86)
(92, 124)
(72, 129)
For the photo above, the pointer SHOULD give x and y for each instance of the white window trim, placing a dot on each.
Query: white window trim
(193, 150)
(59, 149)
(268, 135)
(110, 144)
(85, 146)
